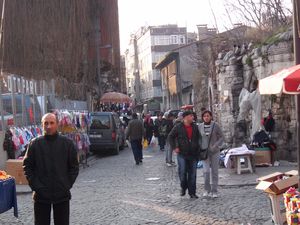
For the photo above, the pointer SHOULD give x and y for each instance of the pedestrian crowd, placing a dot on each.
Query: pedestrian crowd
(183, 135)
(51, 164)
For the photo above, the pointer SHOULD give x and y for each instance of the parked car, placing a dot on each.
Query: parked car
(106, 132)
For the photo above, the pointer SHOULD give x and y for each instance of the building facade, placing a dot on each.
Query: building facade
(179, 69)
(83, 52)
(146, 48)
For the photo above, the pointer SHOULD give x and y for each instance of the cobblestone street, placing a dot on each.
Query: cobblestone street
(113, 190)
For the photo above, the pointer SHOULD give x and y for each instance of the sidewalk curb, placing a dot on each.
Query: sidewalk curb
(233, 185)
(237, 185)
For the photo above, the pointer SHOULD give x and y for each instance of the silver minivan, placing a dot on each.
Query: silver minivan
(106, 132)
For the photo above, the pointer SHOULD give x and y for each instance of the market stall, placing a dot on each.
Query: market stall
(275, 185)
(8, 197)
(17, 138)
(73, 124)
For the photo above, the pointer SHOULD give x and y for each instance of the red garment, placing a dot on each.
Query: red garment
(189, 131)
(31, 115)
(21, 139)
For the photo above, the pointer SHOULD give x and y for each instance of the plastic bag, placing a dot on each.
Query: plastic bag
(128, 144)
(145, 144)
(153, 141)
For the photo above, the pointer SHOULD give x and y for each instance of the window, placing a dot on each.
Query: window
(173, 39)
(161, 40)
(100, 122)
(182, 39)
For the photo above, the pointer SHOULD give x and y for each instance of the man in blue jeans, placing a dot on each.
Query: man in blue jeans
(184, 140)
(135, 132)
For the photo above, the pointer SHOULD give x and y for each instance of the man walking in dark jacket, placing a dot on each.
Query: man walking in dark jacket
(51, 168)
(135, 132)
(184, 140)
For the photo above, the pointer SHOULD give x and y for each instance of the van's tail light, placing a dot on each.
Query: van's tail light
(113, 136)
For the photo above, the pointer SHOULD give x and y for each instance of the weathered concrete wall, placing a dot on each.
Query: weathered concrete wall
(201, 80)
(240, 69)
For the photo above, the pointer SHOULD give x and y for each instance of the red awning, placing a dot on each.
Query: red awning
(286, 81)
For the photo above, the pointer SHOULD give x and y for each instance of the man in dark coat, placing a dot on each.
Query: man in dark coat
(51, 168)
(169, 151)
(184, 140)
(135, 132)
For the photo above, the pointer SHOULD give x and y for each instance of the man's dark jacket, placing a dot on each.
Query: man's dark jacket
(51, 168)
(178, 139)
(135, 130)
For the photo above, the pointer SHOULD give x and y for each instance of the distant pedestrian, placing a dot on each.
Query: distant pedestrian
(149, 128)
(134, 133)
(160, 131)
(179, 118)
(211, 139)
(51, 168)
(184, 140)
(169, 151)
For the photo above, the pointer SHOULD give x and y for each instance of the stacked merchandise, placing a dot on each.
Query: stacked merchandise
(292, 205)
(4, 175)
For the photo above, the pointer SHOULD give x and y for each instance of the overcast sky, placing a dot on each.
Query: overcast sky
(136, 13)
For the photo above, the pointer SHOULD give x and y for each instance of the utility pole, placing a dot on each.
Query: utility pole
(136, 73)
(13, 99)
(23, 92)
(296, 4)
(98, 56)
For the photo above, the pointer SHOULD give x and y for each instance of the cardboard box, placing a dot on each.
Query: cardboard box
(272, 185)
(14, 167)
(291, 173)
(262, 157)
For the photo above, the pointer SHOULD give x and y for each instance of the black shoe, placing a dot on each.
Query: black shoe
(141, 161)
(182, 193)
(137, 163)
(194, 196)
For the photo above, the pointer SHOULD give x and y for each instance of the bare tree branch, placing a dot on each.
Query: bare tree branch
(264, 14)
(213, 13)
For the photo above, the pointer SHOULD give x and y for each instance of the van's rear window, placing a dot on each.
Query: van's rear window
(100, 122)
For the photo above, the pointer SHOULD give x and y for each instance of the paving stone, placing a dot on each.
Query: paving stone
(115, 191)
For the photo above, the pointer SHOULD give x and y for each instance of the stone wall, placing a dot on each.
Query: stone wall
(241, 68)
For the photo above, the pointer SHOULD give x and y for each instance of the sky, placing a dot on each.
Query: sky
(136, 13)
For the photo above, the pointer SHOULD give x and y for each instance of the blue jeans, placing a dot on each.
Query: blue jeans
(187, 171)
(137, 149)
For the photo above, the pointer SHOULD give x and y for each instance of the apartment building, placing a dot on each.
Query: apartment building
(146, 48)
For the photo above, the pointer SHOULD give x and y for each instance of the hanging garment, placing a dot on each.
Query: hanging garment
(8, 145)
